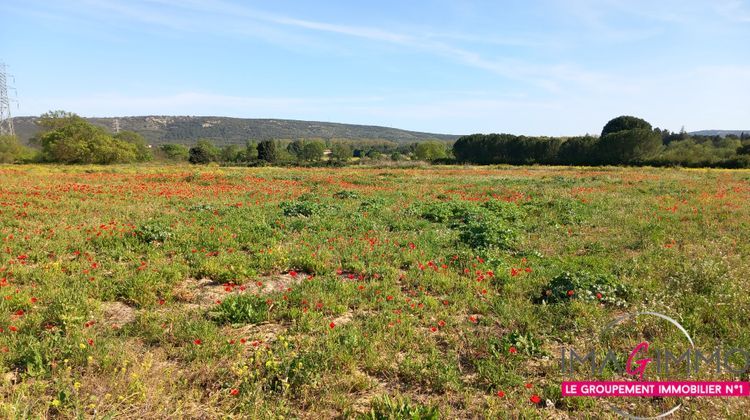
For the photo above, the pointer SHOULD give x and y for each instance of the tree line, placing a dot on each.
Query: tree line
(624, 140)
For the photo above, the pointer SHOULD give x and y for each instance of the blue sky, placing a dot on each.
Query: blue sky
(549, 67)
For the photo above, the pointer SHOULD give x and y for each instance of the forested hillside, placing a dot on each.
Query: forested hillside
(224, 130)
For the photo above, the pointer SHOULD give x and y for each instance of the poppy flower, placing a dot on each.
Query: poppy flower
(535, 399)
(513, 350)
(528, 386)
(197, 341)
(571, 292)
(501, 393)
(433, 329)
(441, 323)
(234, 391)
(332, 324)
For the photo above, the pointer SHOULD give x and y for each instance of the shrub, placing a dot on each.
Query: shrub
(242, 309)
(586, 286)
(153, 232)
(344, 194)
(524, 343)
(300, 208)
(486, 231)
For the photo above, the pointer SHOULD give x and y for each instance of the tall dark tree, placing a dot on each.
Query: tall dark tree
(295, 148)
(267, 151)
(625, 122)
(203, 152)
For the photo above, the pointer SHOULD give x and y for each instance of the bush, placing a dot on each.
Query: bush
(586, 286)
(300, 208)
(153, 232)
(344, 194)
(242, 309)
(486, 231)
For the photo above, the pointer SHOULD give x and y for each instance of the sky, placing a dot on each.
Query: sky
(547, 67)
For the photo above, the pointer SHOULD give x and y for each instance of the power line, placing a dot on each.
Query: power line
(6, 121)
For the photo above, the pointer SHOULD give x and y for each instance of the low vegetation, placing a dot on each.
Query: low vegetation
(438, 292)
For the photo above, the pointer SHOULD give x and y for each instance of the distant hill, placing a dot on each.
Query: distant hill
(224, 130)
(722, 133)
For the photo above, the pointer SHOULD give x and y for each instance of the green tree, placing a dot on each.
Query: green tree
(625, 122)
(312, 150)
(629, 146)
(295, 148)
(341, 152)
(143, 152)
(11, 150)
(251, 150)
(203, 152)
(232, 153)
(430, 150)
(76, 141)
(53, 120)
(267, 151)
(175, 151)
(373, 154)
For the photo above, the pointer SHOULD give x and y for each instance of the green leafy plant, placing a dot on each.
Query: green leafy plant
(243, 309)
(586, 286)
(153, 232)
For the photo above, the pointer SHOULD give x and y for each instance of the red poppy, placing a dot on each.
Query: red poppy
(513, 350)
(598, 295)
(332, 324)
(528, 386)
(234, 391)
(197, 342)
(13, 328)
(535, 399)
(441, 323)
(571, 292)
(433, 329)
(500, 394)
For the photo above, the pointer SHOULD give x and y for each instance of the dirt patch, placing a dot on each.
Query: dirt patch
(255, 335)
(117, 314)
(344, 318)
(279, 282)
(205, 292)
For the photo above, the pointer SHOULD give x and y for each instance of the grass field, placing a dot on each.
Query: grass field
(153, 292)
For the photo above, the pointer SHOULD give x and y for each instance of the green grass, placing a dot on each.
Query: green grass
(353, 292)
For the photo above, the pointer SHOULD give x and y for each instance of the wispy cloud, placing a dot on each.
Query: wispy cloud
(250, 22)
